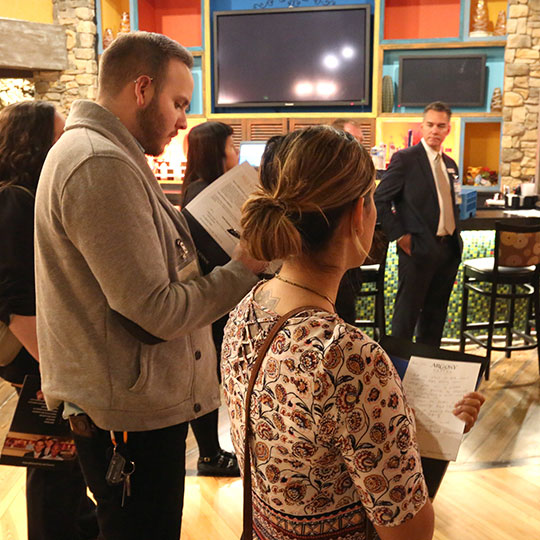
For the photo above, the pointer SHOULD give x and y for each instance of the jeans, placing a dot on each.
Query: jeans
(153, 511)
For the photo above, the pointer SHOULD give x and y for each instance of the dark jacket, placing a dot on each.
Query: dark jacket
(407, 202)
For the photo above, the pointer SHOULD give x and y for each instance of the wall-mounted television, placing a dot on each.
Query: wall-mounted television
(292, 57)
(458, 80)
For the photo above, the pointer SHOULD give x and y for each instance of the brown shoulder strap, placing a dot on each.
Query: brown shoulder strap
(248, 509)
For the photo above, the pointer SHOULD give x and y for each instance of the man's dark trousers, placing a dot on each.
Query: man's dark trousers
(154, 509)
(424, 289)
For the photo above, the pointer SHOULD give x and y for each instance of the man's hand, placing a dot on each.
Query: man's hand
(240, 254)
(405, 243)
(468, 407)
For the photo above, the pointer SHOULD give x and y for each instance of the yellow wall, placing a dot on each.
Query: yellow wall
(394, 130)
(40, 11)
(111, 13)
(481, 148)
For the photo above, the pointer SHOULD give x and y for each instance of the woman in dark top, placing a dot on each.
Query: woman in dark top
(57, 505)
(211, 153)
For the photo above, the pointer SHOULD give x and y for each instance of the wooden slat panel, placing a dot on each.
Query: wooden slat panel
(32, 46)
(301, 123)
(261, 129)
(238, 130)
(367, 125)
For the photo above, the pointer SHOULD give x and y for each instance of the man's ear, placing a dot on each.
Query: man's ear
(144, 90)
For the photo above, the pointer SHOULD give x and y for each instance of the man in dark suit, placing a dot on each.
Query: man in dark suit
(416, 206)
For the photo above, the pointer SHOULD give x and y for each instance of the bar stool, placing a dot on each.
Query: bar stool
(372, 272)
(516, 265)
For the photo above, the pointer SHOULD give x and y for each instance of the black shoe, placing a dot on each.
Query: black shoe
(222, 464)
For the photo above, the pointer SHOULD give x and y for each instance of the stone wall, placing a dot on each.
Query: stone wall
(79, 80)
(521, 92)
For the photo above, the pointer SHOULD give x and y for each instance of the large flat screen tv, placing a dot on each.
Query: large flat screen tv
(458, 80)
(288, 57)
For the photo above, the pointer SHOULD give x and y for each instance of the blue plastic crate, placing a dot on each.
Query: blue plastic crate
(467, 208)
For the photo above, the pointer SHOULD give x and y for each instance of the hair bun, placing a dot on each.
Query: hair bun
(267, 229)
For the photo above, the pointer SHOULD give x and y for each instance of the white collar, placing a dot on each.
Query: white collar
(432, 154)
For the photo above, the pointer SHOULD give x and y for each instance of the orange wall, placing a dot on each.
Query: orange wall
(421, 19)
(178, 20)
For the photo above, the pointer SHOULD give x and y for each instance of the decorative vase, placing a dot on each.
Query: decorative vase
(387, 94)
(480, 20)
(108, 37)
(496, 100)
(124, 23)
(500, 26)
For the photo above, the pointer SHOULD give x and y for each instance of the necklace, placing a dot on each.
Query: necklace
(300, 286)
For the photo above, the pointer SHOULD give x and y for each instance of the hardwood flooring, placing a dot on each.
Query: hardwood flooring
(492, 492)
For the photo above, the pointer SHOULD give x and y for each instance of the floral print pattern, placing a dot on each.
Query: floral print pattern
(334, 440)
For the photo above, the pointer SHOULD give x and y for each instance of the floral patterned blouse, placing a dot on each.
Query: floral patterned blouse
(334, 439)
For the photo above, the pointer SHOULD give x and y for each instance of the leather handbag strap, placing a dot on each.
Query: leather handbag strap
(248, 508)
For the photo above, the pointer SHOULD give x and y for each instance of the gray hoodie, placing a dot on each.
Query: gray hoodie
(123, 313)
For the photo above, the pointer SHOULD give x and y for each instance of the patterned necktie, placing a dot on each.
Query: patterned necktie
(443, 187)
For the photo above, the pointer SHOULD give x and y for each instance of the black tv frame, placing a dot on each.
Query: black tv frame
(247, 104)
(443, 57)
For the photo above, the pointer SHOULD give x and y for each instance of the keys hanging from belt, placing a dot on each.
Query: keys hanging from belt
(120, 467)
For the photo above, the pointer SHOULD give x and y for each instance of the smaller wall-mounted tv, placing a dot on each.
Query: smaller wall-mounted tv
(288, 57)
(458, 80)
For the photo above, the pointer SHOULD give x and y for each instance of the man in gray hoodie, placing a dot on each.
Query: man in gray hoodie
(123, 312)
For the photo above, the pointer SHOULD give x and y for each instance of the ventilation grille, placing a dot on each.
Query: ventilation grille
(263, 129)
(238, 131)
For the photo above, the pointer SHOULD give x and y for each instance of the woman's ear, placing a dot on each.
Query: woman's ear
(357, 216)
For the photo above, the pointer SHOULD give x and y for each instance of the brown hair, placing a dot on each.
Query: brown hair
(26, 136)
(439, 106)
(138, 53)
(206, 151)
(318, 173)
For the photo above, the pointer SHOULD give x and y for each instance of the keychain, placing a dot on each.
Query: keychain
(120, 469)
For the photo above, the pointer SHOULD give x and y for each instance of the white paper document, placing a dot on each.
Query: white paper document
(219, 207)
(432, 388)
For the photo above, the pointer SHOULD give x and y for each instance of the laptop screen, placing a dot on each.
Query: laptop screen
(251, 151)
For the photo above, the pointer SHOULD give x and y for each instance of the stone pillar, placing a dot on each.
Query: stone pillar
(521, 92)
(79, 80)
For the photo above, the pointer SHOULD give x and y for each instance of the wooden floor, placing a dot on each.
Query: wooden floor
(492, 492)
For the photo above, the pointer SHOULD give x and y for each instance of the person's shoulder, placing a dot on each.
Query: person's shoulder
(449, 161)
(16, 201)
(194, 188)
(412, 151)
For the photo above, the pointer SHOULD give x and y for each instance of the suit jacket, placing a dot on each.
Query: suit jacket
(407, 202)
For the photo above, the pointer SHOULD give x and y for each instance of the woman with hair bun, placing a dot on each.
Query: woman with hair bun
(333, 443)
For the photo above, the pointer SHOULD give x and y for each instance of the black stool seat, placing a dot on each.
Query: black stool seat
(516, 265)
(485, 268)
(370, 272)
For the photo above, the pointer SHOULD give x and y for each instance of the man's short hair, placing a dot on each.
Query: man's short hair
(339, 123)
(138, 53)
(439, 106)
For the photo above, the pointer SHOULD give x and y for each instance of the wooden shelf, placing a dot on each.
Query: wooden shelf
(454, 115)
(443, 45)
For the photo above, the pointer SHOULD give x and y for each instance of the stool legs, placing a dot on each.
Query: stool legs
(464, 307)
(511, 318)
(489, 342)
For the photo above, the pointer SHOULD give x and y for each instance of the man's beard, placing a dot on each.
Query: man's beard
(151, 122)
